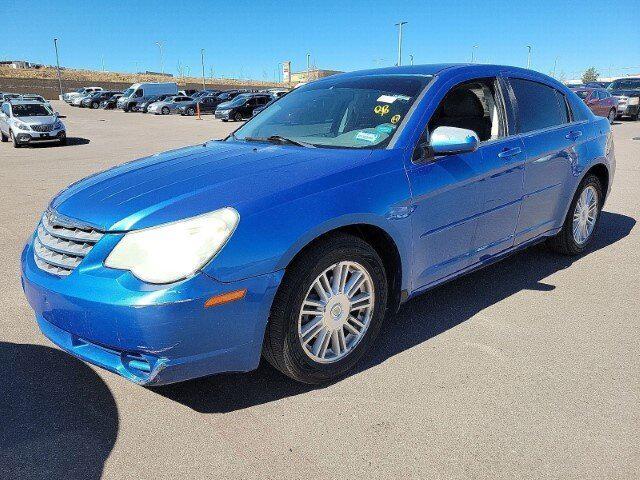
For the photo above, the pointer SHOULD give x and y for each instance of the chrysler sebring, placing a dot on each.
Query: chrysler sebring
(297, 235)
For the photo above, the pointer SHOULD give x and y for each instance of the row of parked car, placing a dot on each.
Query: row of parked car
(617, 99)
(164, 98)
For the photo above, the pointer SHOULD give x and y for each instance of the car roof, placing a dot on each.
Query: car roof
(24, 102)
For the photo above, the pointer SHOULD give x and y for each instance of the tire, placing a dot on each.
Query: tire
(165, 110)
(612, 115)
(63, 140)
(13, 139)
(224, 119)
(283, 346)
(190, 111)
(635, 117)
(3, 137)
(565, 241)
(95, 105)
(237, 117)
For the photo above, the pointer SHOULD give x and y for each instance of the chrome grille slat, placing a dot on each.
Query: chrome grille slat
(54, 258)
(60, 245)
(74, 234)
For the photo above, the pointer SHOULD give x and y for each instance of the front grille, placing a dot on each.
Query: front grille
(60, 246)
(42, 128)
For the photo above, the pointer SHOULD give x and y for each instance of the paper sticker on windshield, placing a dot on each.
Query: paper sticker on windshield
(395, 119)
(385, 128)
(381, 109)
(386, 99)
(368, 137)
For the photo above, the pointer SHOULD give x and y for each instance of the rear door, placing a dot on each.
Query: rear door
(551, 142)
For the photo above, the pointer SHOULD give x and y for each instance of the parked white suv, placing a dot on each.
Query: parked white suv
(27, 121)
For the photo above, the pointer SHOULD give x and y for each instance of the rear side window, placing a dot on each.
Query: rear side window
(539, 106)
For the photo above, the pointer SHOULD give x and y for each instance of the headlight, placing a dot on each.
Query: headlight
(633, 101)
(58, 125)
(176, 250)
(22, 126)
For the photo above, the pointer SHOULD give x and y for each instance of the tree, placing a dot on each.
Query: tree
(590, 75)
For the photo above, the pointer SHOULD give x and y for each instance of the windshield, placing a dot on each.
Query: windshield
(355, 112)
(627, 84)
(582, 93)
(127, 92)
(239, 100)
(31, 110)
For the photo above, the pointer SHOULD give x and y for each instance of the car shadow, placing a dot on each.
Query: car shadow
(58, 419)
(71, 142)
(419, 320)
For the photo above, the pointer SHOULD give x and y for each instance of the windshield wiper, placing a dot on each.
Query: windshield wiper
(279, 139)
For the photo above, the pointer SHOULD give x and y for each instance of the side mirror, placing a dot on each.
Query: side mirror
(453, 140)
(56, 114)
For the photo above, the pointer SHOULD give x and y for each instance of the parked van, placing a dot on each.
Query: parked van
(140, 92)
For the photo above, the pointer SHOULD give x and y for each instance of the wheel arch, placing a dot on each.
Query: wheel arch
(381, 240)
(601, 171)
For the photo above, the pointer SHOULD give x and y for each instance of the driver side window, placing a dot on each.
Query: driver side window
(474, 105)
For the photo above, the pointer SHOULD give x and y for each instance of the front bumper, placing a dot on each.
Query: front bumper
(222, 115)
(149, 334)
(29, 136)
(626, 109)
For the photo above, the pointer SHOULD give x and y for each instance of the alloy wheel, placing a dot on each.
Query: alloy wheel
(336, 312)
(585, 215)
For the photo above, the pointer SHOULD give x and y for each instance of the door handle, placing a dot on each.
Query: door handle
(573, 135)
(510, 152)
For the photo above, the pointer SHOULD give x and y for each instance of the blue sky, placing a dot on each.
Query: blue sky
(249, 38)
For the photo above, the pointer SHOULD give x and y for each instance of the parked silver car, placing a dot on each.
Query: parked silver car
(169, 105)
(26, 121)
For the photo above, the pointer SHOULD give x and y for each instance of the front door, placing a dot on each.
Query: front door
(467, 206)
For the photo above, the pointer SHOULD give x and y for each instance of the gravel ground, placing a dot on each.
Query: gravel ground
(526, 369)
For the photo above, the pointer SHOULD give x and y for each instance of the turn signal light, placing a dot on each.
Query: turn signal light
(225, 298)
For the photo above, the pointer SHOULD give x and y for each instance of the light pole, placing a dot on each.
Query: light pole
(555, 64)
(473, 53)
(161, 59)
(55, 44)
(529, 56)
(308, 66)
(399, 25)
(202, 58)
(411, 59)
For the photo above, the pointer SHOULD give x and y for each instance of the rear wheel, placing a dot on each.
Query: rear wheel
(3, 137)
(95, 105)
(328, 310)
(582, 218)
(635, 117)
(612, 115)
(191, 111)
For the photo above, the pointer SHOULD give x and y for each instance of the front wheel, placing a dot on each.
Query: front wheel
(237, 117)
(581, 220)
(191, 111)
(95, 105)
(3, 137)
(327, 311)
(165, 110)
(14, 140)
(612, 115)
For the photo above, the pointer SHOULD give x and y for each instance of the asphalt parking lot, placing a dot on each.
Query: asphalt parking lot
(529, 368)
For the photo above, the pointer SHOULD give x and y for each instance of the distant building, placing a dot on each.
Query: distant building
(314, 74)
(19, 64)
(157, 73)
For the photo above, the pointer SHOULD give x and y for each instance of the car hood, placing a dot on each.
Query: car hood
(224, 105)
(38, 120)
(194, 180)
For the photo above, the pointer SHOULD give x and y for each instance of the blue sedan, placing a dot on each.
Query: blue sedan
(296, 236)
